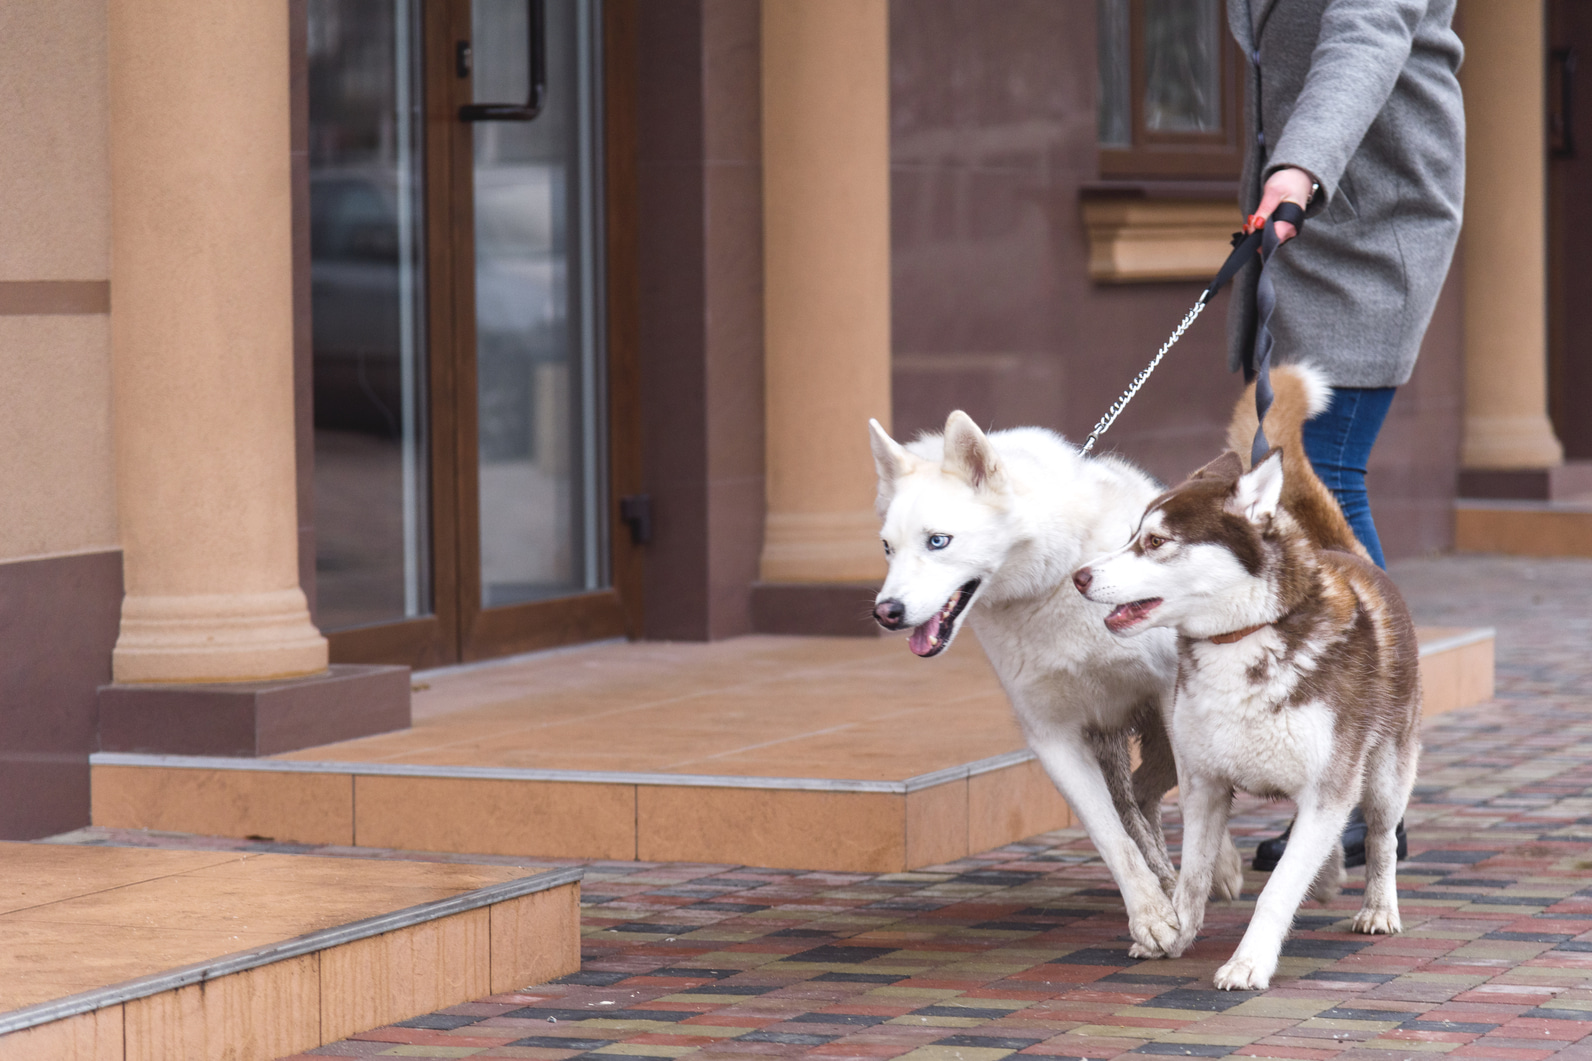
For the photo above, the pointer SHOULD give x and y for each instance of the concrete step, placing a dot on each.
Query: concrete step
(844, 754)
(123, 953)
(1524, 528)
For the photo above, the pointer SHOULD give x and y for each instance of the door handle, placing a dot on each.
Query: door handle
(536, 44)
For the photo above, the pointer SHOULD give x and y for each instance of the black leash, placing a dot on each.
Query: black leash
(1245, 245)
(1265, 302)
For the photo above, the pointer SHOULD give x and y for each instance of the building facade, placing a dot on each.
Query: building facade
(341, 335)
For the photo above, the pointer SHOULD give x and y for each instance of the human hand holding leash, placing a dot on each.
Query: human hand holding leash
(1286, 185)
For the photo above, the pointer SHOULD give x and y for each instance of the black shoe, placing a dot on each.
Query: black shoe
(1269, 852)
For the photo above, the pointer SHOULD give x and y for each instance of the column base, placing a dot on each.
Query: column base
(1572, 479)
(822, 547)
(1510, 442)
(254, 718)
(817, 609)
(217, 637)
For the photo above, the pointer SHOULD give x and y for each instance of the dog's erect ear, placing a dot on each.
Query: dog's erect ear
(1259, 492)
(969, 455)
(1229, 466)
(890, 460)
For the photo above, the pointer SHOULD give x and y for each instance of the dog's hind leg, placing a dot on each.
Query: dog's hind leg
(1113, 750)
(1156, 775)
(1390, 775)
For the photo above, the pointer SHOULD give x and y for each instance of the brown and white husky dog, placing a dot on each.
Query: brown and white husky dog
(1298, 674)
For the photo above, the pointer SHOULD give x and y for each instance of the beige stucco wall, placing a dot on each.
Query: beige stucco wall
(57, 487)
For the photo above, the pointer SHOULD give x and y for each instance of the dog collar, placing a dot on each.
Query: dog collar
(1236, 635)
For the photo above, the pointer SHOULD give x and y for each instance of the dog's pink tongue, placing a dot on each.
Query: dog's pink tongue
(1125, 615)
(919, 641)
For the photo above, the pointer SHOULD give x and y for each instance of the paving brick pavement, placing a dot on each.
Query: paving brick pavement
(1022, 951)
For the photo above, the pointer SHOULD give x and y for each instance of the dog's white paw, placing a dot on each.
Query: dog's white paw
(1377, 921)
(1244, 974)
(1227, 879)
(1155, 932)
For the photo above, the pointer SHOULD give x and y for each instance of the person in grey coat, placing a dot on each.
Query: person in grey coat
(1360, 99)
(1353, 111)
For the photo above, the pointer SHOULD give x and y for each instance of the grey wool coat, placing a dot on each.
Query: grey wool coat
(1362, 95)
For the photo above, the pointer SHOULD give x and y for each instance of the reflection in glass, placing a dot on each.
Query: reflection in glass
(1115, 99)
(1183, 66)
(537, 330)
(371, 492)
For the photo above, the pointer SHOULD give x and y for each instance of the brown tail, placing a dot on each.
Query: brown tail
(1301, 393)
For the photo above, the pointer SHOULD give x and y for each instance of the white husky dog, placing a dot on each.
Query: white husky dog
(990, 528)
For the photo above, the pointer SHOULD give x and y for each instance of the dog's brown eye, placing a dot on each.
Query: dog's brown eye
(1154, 541)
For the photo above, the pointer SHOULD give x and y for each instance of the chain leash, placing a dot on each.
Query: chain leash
(1138, 381)
(1259, 235)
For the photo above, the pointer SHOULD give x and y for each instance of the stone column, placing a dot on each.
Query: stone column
(826, 209)
(202, 344)
(1505, 241)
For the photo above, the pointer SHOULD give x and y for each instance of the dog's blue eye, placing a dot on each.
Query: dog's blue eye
(887, 550)
(939, 541)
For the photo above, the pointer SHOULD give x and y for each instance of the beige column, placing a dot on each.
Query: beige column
(201, 336)
(826, 209)
(1505, 251)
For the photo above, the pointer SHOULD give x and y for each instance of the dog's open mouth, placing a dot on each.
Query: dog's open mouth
(930, 638)
(1126, 616)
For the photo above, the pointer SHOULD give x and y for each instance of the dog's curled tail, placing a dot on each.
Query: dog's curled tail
(1301, 392)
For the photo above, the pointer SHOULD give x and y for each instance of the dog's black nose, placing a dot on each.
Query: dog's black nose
(889, 614)
(1081, 578)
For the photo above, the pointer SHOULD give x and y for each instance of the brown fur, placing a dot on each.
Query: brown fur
(1304, 495)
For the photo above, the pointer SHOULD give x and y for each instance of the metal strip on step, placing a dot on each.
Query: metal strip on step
(602, 777)
(242, 961)
(1453, 641)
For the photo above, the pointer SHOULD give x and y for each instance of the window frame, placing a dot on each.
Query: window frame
(1177, 156)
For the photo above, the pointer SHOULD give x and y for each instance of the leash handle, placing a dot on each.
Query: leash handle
(1265, 303)
(1246, 244)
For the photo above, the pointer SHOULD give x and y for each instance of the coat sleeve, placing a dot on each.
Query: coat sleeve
(1361, 50)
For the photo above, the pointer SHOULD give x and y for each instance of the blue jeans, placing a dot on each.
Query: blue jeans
(1338, 443)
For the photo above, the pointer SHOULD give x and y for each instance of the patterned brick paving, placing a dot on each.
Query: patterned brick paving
(1021, 952)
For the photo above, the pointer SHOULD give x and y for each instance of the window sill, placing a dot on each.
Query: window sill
(1157, 231)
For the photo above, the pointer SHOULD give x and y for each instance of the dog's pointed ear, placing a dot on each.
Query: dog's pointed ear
(890, 460)
(1258, 493)
(1229, 467)
(969, 455)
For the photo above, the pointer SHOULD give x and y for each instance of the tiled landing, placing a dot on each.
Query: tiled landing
(112, 953)
(844, 754)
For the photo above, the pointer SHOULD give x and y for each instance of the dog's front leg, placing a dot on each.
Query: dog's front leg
(1207, 804)
(1316, 828)
(1076, 772)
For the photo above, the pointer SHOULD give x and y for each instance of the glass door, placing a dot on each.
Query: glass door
(463, 499)
(372, 483)
(539, 483)
(537, 340)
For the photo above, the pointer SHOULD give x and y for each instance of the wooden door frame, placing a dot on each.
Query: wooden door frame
(458, 630)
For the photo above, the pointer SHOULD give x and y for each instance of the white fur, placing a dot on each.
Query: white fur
(1023, 509)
